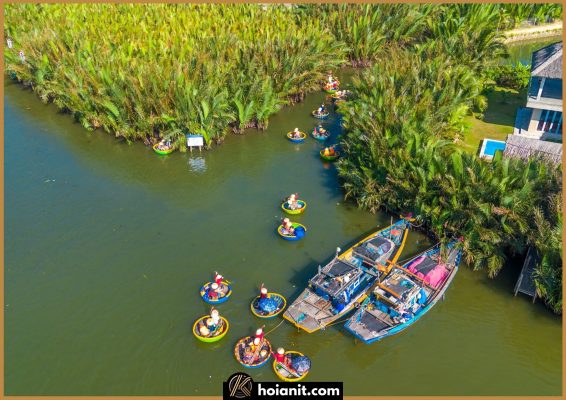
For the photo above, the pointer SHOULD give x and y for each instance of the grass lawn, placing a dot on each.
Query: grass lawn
(498, 119)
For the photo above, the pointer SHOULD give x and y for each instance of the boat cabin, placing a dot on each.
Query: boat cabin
(400, 289)
(337, 281)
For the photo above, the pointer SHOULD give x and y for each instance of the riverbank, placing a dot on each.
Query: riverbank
(533, 32)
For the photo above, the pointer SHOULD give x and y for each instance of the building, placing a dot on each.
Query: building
(542, 116)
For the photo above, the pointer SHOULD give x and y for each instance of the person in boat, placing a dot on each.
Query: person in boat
(262, 292)
(329, 151)
(296, 133)
(321, 131)
(287, 226)
(203, 330)
(218, 278)
(259, 334)
(215, 317)
(292, 200)
(212, 291)
(280, 356)
(323, 108)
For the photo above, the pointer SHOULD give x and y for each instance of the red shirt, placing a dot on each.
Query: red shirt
(279, 357)
(212, 294)
(260, 336)
(218, 280)
(262, 295)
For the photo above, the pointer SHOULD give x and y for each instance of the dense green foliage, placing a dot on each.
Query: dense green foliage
(513, 14)
(145, 70)
(511, 76)
(149, 71)
(398, 159)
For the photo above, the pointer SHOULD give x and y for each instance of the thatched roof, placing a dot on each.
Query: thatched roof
(547, 62)
(522, 147)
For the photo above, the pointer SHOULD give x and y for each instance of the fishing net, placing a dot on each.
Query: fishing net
(268, 305)
(301, 364)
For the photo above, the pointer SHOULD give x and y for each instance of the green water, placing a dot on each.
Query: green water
(107, 245)
(522, 51)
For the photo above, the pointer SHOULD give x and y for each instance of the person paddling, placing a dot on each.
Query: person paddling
(262, 292)
(259, 334)
(218, 278)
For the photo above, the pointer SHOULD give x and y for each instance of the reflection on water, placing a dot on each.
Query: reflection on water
(197, 164)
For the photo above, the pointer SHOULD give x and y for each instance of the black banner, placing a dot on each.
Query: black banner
(242, 386)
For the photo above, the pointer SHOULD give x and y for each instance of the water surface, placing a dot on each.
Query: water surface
(107, 245)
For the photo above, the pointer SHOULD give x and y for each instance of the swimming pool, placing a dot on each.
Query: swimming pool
(490, 146)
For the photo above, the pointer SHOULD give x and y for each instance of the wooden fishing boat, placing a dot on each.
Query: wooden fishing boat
(300, 139)
(333, 157)
(249, 357)
(213, 336)
(406, 294)
(287, 373)
(224, 291)
(300, 210)
(342, 284)
(279, 301)
(321, 136)
(162, 152)
(294, 237)
(323, 115)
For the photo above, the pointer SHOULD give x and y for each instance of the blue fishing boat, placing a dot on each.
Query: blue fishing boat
(343, 282)
(406, 294)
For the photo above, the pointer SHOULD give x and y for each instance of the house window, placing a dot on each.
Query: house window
(541, 120)
(550, 121)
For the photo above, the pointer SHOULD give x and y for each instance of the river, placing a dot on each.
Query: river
(522, 51)
(107, 245)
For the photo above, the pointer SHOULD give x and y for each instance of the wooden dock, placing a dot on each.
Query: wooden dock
(525, 283)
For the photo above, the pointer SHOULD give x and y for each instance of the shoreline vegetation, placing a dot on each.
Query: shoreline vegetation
(151, 72)
(533, 32)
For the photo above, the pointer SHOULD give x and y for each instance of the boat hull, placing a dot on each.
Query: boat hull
(212, 339)
(329, 158)
(318, 137)
(260, 314)
(352, 325)
(320, 116)
(288, 237)
(297, 211)
(308, 298)
(258, 363)
(220, 300)
(161, 152)
(284, 374)
(296, 140)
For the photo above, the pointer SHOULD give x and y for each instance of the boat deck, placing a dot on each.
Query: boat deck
(369, 323)
(310, 311)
